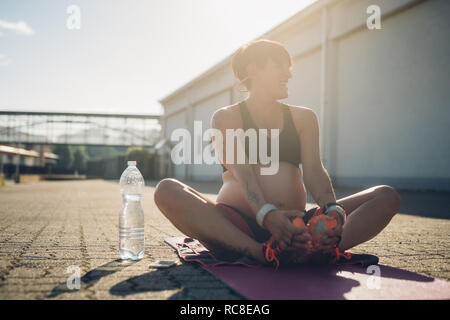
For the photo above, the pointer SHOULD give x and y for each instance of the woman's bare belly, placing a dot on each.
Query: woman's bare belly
(285, 190)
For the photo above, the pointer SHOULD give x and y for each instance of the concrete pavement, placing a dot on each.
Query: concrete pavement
(47, 227)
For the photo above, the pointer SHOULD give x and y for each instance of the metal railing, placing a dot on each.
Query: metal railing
(20, 127)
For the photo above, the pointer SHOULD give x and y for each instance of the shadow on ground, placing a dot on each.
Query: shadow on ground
(181, 280)
(430, 204)
(92, 277)
(426, 204)
(177, 278)
(157, 280)
(334, 285)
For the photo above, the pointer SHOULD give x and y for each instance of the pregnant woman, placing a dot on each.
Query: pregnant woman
(251, 207)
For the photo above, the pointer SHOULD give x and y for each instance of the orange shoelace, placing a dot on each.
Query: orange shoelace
(271, 254)
(337, 254)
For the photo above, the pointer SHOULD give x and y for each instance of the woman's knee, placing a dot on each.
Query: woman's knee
(165, 190)
(389, 196)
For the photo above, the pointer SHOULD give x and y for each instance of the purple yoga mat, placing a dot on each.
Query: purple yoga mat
(327, 282)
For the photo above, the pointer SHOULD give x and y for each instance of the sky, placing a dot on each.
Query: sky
(126, 55)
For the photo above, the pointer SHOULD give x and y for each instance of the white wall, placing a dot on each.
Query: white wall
(392, 104)
(173, 122)
(386, 94)
(203, 112)
(304, 86)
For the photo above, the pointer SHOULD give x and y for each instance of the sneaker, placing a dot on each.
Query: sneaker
(271, 252)
(275, 255)
(348, 258)
(338, 257)
(334, 257)
(318, 224)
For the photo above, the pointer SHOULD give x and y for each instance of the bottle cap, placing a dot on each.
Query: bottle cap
(131, 163)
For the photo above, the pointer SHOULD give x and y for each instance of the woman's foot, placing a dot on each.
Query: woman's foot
(326, 230)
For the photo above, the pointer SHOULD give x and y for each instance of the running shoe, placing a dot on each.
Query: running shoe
(334, 257)
(348, 258)
(345, 258)
(338, 257)
(275, 255)
(318, 224)
(271, 251)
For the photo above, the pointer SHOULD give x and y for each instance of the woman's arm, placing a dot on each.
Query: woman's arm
(244, 173)
(316, 176)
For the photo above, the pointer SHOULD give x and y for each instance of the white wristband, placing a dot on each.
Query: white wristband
(338, 209)
(265, 209)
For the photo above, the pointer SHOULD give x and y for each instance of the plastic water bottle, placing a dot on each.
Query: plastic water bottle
(131, 216)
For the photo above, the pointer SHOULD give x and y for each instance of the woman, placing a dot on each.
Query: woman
(251, 207)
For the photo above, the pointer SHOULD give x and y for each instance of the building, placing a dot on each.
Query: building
(381, 95)
(26, 157)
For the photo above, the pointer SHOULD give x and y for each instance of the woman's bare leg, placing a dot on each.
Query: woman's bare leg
(368, 212)
(200, 218)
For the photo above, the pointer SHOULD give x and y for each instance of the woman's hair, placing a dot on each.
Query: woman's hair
(258, 51)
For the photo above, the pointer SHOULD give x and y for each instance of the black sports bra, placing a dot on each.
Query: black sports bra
(289, 142)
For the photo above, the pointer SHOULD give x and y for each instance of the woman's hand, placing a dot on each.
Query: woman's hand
(279, 223)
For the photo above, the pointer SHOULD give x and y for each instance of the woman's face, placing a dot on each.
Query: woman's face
(272, 79)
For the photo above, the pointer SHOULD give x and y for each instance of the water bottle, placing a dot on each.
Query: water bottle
(131, 216)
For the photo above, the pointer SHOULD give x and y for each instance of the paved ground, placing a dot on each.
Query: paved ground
(49, 226)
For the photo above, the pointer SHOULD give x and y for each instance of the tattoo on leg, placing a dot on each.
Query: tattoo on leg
(252, 196)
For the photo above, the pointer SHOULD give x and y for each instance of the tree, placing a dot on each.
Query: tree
(142, 158)
(80, 159)
(65, 156)
(103, 152)
(137, 154)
